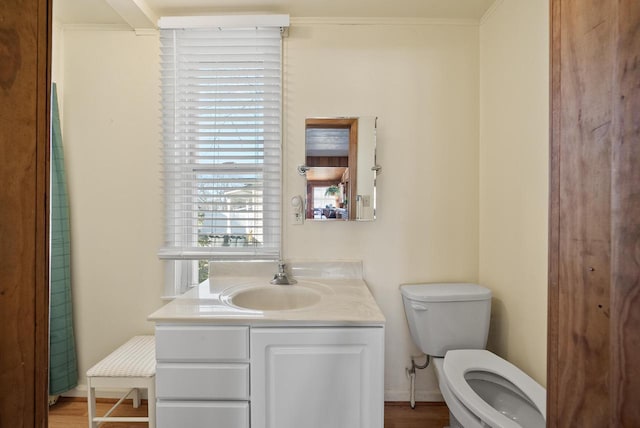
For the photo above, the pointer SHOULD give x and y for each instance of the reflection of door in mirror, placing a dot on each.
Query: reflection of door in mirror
(331, 156)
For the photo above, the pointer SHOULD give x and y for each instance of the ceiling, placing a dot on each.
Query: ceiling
(326, 173)
(100, 12)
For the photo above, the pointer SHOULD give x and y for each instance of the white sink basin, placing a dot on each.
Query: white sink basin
(275, 297)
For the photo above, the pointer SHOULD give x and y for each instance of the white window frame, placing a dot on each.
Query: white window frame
(181, 251)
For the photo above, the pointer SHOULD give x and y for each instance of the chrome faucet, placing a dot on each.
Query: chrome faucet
(282, 278)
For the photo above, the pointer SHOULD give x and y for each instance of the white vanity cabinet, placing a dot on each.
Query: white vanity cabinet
(202, 376)
(218, 376)
(225, 362)
(317, 377)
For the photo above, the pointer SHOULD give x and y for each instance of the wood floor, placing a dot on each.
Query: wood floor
(425, 415)
(72, 413)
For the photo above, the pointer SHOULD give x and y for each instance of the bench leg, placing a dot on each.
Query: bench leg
(91, 402)
(135, 398)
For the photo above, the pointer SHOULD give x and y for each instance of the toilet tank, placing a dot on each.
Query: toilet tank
(444, 316)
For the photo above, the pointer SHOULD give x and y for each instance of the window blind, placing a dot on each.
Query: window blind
(221, 118)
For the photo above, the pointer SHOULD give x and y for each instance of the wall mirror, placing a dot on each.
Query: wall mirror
(340, 167)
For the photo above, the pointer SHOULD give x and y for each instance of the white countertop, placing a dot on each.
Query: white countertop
(348, 302)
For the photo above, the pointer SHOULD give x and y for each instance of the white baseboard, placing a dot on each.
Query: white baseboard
(81, 391)
(429, 396)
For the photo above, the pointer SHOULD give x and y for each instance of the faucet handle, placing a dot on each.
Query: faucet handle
(281, 278)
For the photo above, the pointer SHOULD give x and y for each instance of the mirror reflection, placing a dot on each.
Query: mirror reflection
(340, 161)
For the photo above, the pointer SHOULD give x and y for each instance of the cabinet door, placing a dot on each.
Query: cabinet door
(317, 377)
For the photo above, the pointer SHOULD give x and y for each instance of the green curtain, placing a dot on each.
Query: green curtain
(63, 372)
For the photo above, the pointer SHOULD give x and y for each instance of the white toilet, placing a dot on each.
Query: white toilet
(450, 323)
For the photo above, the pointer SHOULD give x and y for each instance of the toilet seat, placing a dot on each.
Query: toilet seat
(459, 362)
(459, 415)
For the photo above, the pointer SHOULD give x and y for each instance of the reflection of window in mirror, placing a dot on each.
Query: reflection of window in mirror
(331, 155)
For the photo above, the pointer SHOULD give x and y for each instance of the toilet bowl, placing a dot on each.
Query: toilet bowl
(450, 323)
(493, 391)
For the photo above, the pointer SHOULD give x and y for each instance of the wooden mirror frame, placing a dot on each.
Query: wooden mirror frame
(352, 125)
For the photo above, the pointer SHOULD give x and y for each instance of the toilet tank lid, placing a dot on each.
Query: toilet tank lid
(445, 292)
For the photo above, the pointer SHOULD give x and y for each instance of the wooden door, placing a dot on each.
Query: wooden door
(594, 260)
(24, 159)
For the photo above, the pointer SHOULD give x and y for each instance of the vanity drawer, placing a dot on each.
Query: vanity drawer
(172, 414)
(202, 381)
(201, 343)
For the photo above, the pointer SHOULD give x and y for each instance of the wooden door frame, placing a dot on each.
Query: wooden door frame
(26, 303)
(554, 213)
(25, 82)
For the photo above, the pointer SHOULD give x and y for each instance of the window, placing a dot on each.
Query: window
(321, 198)
(221, 118)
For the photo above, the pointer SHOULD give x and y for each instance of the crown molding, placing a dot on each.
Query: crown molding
(301, 21)
(146, 32)
(96, 27)
(381, 21)
(109, 27)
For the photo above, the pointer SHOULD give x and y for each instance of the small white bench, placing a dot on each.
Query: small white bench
(131, 366)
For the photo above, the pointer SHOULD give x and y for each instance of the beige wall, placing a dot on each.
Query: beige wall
(57, 61)
(112, 154)
(422, 83)
(514, 158)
